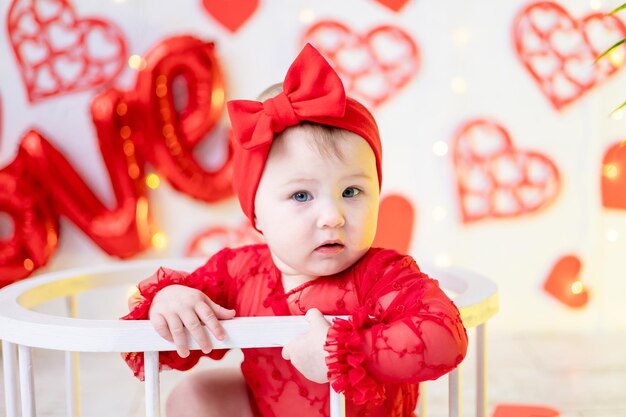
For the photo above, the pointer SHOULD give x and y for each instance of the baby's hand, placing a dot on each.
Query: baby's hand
(177, 307)
(306, 352)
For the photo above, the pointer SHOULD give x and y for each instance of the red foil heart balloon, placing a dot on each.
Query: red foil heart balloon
(396, 217)
(232, 14)
(524, 410)
(614, 177)
(564, 284)
(395, 5)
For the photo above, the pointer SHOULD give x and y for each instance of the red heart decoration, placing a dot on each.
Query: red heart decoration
(395, 223)
(494, 179)
(558, 50)
(394, 5)
(231, 14)
(614, 177)
(215, 238)
(560, 279)
(58, 53)
(522, 410)
(373, 66)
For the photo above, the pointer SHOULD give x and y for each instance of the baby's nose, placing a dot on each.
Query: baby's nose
(331, 217)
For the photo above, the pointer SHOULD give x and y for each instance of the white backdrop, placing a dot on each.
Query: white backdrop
(468, 69)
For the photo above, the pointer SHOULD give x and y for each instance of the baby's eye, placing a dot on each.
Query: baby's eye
(350, 192)
(301, 196)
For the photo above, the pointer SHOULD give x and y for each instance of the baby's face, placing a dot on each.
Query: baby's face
(318, 213)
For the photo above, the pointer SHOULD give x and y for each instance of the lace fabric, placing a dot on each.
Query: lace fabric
(402, 330)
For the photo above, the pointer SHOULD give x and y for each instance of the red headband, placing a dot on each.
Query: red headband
(312, 91)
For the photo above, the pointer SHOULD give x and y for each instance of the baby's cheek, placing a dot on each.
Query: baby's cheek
(369, 226)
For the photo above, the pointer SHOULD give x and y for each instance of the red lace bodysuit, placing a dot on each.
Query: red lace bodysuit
(403, 329)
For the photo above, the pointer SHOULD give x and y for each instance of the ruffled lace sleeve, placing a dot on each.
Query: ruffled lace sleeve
(212, 278)
(406, 330)
(140, 302)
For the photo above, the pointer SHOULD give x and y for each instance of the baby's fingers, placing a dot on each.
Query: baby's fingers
(222, 313)
(210, 318)
(286, 352)
(198, 332)
(160, 326)
(178, 334)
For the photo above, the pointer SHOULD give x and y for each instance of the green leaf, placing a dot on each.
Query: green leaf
(608, 51)
(617, 9)
(621, 106)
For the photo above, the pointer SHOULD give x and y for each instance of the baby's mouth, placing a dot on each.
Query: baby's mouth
(330, 247)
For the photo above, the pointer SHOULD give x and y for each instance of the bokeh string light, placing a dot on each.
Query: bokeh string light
(159, 240)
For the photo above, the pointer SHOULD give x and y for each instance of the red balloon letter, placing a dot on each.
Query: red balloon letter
(35, 225)
(180, 97)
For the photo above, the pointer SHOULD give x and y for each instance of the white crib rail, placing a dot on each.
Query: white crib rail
(476, 297)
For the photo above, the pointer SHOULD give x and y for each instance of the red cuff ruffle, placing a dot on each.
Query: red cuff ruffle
(346, 372)
(149, 288)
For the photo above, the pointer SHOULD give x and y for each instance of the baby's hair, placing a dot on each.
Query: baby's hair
(324, 137)
(270, 91)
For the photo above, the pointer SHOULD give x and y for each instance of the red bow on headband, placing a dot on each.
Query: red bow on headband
(311, 90)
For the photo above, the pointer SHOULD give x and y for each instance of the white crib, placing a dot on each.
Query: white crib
(22, 329)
